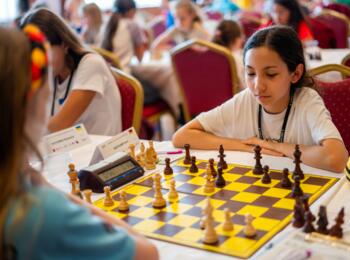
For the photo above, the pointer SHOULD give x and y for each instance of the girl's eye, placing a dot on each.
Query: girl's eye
(271, 75)
(250, 74)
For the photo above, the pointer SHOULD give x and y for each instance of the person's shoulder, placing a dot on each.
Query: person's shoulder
(92, 62)
(306, 94)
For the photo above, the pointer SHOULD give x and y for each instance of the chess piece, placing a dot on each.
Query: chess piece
(132, 151)
(158, 200)
(209, 184)
(172, 195)
(153, 151)
(76, 188)
(322, 221)
(298, 214)
(108, 201)
(220, 181)
(212, 168)
(297, 170)
(193, 168)
(87, 194)
(305, 200)
(123, 204)
(266, 179)
(187, 159)
(222, 163)
(72, 173)
(285, 181)
(167, 170)
(336, 230)
(227, 226)
(210, 235)
(150, 164)
(258, 170)
(296, 190)
(249, 230)
(308, 226)
(140, 157)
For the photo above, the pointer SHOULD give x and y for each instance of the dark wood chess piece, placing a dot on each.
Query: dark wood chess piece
(322, 221)
(212, 168)
(258, 170)
(266, 179)
(297, 161)
(285, 181)
(220, 181)
(187, 159)
(296, 190)
(193, 168)
(222, 163)
(167, 170)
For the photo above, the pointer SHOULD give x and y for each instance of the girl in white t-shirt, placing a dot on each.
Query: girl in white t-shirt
(276, 111)
(84, 88)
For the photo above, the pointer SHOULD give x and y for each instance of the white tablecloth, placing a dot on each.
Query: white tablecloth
(57, 167)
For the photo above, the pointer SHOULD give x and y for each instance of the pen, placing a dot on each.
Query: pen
(170, 152)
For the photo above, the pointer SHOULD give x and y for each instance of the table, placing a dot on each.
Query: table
(56, 169)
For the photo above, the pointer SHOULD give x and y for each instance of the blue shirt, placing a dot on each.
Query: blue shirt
(55, 228)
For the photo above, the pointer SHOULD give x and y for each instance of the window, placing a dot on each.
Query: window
(8, 11)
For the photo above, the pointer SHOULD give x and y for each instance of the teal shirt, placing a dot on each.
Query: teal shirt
(56, 228)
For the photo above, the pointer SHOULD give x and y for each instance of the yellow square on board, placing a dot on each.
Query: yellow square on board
(183, 220)
(270, 185)
(214, 202)
(285, 204)
(309, 188)
(118, 214)
(265, 223)
(140, 201)
(177, 208)
(137, 189)
(255, 211)
(189, 234)
(219, 215)
(236, 229)
(144, 212)
(237, 186)
(148, 225)
(238, 244)
(200, 191)
(276, 193)
(245, 197)
(197, 180)
(231, 177)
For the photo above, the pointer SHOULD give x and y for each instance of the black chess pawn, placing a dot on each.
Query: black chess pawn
(187, 159)
(308, 226)
(258, 170)
(336, 230)
(296, 190)
(266, 179)
(167, 170)
(220, 181)
(222, 163)
(212, 168)
(298, 214)
(285, 181)
(297, 161)
(305, 200)
(322, 221)
(193, 168)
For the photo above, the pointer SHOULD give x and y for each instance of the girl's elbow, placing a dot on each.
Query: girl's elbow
(337, 162)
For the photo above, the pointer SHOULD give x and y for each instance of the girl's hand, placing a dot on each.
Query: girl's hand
(266, 147)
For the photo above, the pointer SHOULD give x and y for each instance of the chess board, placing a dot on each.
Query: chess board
(270, 204)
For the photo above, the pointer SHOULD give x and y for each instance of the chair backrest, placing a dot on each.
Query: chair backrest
(339, 23)
(336, 96)
(214, 15)
(110, 57)
(206, 73)
(341, 8)
(157, 26)
(132, 99)
(346, 60)
(322, 33)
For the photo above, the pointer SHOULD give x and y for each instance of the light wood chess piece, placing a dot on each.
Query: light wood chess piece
(210, 235)
(108, 201)
(123, 204)
(140, 157)
(72, 173)
(209, 184)
(249, 230)
(87, 195)
(158, 200)
(172, 195)
(227, 226)
(76, 188)
(132, 151)
(149, 162)
(154, 153)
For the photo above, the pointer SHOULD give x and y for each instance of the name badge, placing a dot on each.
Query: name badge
(67, 139)
(118, 143)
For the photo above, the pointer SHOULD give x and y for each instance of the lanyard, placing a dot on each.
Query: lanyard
(285, 120)
(61, 100)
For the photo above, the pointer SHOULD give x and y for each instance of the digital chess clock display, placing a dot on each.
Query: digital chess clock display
(116, 171)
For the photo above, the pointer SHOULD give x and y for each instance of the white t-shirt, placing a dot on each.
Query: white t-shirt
(103, 115)
(309, 121)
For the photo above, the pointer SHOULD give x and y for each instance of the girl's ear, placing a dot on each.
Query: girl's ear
(296, 75)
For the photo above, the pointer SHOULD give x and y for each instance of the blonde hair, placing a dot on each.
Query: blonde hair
(191, 9)
(94, 12)
(15, 78)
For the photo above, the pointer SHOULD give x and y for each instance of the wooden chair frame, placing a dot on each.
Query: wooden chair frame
(344, 70)
(109, 56)
(345, 60)
(213, 47)
(338, 15)
(138, 107)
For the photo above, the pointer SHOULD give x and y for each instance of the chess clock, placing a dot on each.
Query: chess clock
(114, 171)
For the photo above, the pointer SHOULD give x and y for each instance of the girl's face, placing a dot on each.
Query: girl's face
(280, 14)
(183, 19)
(57, 59)
(269, 79)
(87, 20)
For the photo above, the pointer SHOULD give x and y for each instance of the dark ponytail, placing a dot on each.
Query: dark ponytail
(226, 33)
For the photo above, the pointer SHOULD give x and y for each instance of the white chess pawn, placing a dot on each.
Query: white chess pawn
(210, 235)
(209, 184)
(123, 204)
(158, 200)
(249, 230)
(172, 195)
(227, 226)
(108, 201)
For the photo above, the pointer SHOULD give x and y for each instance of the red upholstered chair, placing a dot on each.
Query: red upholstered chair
(339, 23)
(322, 33)
(340, 8)
(132, 99)
(336, 96)
(156, 27)
(346, 60)
(214, 15)
(206, 74)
